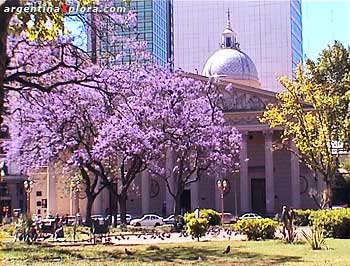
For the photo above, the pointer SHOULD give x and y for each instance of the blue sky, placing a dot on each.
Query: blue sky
(324, 22)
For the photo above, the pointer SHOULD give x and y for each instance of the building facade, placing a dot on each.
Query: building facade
(13, 196)
(269, 176)
(269, 31)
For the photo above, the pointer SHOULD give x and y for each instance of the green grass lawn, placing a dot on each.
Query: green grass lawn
(203, 253)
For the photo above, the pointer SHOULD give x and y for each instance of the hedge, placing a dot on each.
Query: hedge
(302, 217)
(256, 229)
(213, 217)
(336, 223)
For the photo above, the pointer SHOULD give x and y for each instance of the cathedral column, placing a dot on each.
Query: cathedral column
(51, 189)
(105, 201)
(244, 179)
(269, 177)
(195, 193)
(217, 195)
(169, 171)
(295, 177)
(74, 203)
(97, 207)
(145, 191)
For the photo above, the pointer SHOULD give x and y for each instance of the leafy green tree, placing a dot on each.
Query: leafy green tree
(314, 112)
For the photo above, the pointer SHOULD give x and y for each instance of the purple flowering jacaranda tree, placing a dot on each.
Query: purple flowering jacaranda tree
(196, 140)
(59, 128)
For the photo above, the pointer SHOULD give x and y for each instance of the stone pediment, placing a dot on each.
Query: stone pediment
(240, 101)
(241, 98)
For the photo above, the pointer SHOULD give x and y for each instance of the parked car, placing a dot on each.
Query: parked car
(71, 220)
(338, 207)
(229, 218)
(148, 220)
(250, 215)
(128, 218)
(170, 219)
(97, 217)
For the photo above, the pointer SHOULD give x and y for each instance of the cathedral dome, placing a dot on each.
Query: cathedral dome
(230, 63)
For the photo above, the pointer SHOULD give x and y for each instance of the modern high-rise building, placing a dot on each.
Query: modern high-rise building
(154, 25)
(269, 31)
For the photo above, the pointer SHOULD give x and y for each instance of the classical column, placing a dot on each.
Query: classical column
(74, 203)
(217, 195)
(51, 189)
(244, 179)
(169, 169)
(194, 194)
(295, 177)
(105, 200)
(97, 207)
(145, 191)
(71, 202)
(269, 178)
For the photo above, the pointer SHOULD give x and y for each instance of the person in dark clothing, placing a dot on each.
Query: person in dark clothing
(284, 220)
(59, 233)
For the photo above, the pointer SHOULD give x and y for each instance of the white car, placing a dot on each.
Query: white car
(148, 220)
(97, 217)
(250, 215)
(128, 218)
(170, 219)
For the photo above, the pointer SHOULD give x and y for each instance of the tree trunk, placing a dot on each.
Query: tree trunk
(177, 204)
(329, 194)
(122, 204)
(5, 18)
(89, 204)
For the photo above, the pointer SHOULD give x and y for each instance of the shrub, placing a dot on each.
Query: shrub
(9, 229)
(189, 216)
(335, 223)
(257, 228)
(316, 239)
(213, 217)
(197, 227)
(302, 217)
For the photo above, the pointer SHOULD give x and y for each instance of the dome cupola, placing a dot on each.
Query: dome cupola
(230, 63)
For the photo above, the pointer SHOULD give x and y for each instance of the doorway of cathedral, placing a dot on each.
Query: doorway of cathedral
(258, 196)
(185, 201)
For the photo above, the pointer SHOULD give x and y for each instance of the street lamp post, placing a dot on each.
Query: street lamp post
(235, 175)
(28, 188)
(222, 186)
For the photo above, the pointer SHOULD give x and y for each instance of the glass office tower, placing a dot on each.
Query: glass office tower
(296, 32)
(154, 25)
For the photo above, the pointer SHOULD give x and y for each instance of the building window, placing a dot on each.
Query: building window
(38, 203)
(38, 193)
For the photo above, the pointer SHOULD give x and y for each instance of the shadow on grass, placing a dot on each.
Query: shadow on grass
(174, 255)
(209, 255)
(20, 252)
